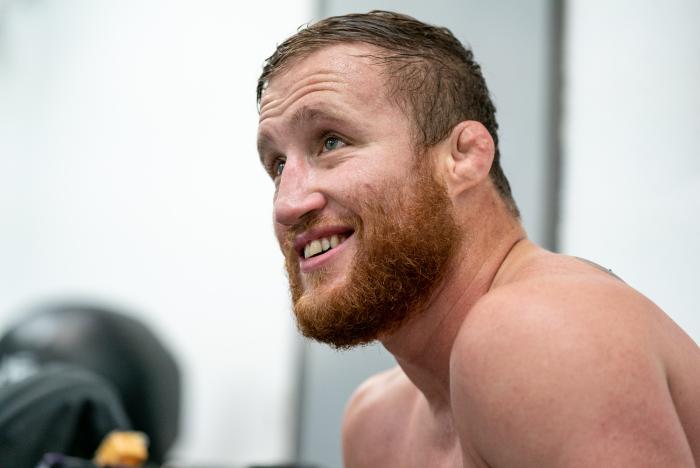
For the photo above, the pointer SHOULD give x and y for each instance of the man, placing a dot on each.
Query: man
(398, 225)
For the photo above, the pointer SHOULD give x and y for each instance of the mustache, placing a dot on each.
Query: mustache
(313, 220)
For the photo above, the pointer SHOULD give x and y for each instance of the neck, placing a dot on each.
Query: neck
(423, 345)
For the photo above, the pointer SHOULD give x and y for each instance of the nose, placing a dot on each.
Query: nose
(296, 194)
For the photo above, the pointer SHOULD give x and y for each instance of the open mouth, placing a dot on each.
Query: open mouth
(321, 245)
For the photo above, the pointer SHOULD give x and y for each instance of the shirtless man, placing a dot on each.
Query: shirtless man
(398, 225)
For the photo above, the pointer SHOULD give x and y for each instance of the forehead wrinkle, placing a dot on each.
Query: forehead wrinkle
(323, 81)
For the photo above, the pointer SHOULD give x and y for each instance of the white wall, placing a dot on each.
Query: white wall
(631, 197)
(129, 175)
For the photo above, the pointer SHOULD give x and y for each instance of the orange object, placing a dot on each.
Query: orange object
(122, 448)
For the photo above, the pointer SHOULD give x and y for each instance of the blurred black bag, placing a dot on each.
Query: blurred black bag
(59, 408)
(118, 348)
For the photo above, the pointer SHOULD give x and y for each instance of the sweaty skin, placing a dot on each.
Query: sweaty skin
(521, 357)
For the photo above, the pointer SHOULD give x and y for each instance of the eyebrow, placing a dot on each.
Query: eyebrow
(310, 113)
(263, 142)
(301, 117)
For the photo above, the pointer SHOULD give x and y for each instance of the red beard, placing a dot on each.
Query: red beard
(404, 244)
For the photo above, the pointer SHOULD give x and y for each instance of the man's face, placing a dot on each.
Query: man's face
(365, 228)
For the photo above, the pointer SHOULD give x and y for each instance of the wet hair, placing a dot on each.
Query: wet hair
(431, 75)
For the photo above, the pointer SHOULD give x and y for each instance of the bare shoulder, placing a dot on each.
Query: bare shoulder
(378, 393)
(549, 290)
(570, 365)
(546, 292)
(375, 409)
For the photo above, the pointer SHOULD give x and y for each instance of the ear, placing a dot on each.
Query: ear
(471, 152)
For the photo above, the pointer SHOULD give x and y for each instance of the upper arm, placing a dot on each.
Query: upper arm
(548, 379)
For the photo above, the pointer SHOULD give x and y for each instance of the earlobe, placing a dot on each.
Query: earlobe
(471, 155)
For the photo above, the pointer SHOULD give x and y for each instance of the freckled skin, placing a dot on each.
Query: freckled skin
(521, 357)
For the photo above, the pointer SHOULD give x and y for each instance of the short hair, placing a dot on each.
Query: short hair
(433, 77)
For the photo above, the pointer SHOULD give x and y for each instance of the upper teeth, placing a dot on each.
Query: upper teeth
(321, 245)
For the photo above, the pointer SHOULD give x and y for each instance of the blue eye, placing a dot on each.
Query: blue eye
(278, 167)
(332, 143)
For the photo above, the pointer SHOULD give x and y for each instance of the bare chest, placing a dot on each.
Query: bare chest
(418, 455)
(422, 441)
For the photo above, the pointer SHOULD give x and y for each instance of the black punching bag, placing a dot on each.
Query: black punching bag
(118, 349)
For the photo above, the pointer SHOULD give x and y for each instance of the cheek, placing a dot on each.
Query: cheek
(358, 185)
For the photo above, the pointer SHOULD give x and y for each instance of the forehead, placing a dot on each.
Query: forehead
(346, 69)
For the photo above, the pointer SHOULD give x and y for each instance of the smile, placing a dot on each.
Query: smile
(321, 245)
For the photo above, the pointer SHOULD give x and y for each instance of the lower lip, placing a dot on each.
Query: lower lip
(310, 264)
